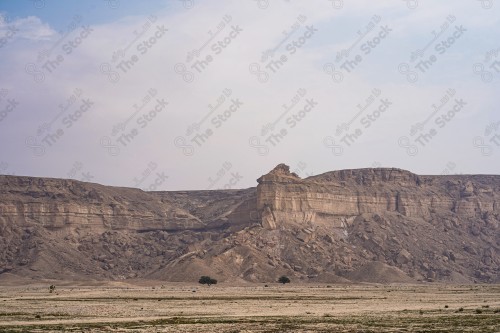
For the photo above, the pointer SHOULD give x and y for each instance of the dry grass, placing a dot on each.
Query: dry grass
(295, 308)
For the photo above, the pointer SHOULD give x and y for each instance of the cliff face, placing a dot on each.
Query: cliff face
(55, 203)
(430, 227)
(378, 225)
(65, 229)
(355, 192)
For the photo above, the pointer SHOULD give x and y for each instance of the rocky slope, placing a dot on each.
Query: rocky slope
(374, 225)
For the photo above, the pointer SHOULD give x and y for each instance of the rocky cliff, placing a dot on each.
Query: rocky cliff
(376, 225)
(355, 192)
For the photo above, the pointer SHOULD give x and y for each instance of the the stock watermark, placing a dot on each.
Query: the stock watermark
(187, 4)
(422, 60)
(489, 141)
(200, 58)
(367, 114)
(486, 4)
(443, 112)
(10, 105)
(337, 4)
(225, 176)
(144, 112)
(113, 4)
(71, 111)
(371, 36)
(264, 4)
(4, 93)
(124, 59)
(411, 4)
(50, 59)
(78, 172)
(450, 169)
(5, 169)
(63, 107)
(274, 58)
(38, 4)
(293, 113)
(219, 113)
(10, 33)
(489, 68)
(302, 169)
(151, 178)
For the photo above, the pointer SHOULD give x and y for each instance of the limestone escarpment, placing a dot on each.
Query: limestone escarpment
(355, 192)
(385, 225)
(55, 203)
(430, 227)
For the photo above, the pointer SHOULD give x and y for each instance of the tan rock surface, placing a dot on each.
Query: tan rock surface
(385, 225)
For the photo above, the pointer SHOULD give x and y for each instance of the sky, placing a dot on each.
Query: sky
(205, 94)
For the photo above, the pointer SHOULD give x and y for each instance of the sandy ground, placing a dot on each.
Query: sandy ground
(251, 308)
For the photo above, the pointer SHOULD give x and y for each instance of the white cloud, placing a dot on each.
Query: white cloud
(86, 68)
(31, 28)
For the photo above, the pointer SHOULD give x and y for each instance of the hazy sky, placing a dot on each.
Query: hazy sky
(201, 94)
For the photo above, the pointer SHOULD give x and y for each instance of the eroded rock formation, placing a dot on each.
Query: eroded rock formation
(385, 225)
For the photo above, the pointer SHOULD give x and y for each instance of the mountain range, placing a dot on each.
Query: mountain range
(380, 225)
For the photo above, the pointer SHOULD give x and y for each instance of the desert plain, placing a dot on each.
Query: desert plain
(182, 307)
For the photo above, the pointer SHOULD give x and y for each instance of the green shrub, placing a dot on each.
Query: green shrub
(207, 280)
(284, 279)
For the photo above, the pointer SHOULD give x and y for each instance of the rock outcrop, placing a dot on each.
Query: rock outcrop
(355, 192)
(374, 225)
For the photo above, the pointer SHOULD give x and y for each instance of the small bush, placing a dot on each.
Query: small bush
(52, 288)
(446, 306)
(284, 279)
(207, 280)
(479, 311)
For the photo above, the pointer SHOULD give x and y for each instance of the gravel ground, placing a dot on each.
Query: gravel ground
(251, 308)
